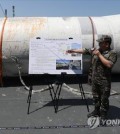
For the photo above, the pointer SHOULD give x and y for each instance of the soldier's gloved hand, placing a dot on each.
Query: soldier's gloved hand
(96, 52)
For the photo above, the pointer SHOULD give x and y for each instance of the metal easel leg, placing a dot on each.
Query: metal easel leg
(55, 92)
(53, 96)
(83, 95)
(29, 99)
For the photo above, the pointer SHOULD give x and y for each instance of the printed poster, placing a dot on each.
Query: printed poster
(49, 56)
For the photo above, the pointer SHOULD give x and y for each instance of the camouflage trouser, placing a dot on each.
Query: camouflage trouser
(101, 93)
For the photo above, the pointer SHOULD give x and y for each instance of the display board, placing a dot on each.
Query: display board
(49, 56)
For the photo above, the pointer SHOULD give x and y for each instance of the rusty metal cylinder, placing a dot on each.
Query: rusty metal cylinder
(18, 32)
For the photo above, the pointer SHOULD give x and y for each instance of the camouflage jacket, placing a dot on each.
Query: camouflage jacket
(98, 70)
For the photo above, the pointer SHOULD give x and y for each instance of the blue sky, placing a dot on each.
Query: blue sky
(59, 8)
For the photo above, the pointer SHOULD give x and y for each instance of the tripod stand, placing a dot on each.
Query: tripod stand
(56, 91)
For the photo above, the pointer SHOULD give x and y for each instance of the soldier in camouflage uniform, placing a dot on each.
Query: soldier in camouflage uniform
(103, 59)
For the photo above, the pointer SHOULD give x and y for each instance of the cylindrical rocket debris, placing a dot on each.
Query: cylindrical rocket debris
(18, 32)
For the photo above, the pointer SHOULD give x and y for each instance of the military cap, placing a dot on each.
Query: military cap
(104, 38)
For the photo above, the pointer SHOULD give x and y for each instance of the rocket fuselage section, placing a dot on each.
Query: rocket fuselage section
(18, 32)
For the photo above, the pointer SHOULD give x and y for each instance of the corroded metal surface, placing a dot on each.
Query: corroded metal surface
(18, 32)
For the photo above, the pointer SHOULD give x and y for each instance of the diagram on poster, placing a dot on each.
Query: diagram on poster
(49, 56)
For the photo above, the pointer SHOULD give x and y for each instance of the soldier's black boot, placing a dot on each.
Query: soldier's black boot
(95, 113)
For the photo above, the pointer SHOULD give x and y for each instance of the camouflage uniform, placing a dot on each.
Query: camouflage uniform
(101, 79)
